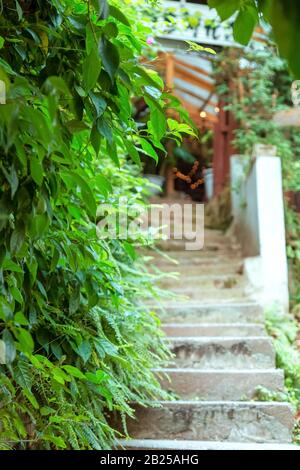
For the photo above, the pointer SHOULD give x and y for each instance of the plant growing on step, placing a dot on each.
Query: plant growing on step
(77, 343)
(285, 330)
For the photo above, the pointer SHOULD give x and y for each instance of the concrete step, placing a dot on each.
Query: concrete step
(208, 270)
(223, 352)
(226, 384)
(189, 258)
(213, 421)
(164, 444)
(211, 293)
(214, 329)
(172, 244)
(200, 246)
(202, 281)
(213, 312)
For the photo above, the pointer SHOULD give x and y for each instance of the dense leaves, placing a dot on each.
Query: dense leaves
(78, 342)
(282, 15)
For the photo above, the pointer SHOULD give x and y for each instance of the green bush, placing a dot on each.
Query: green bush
(79, 344)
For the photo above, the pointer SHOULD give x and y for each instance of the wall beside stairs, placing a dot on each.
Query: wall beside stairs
(258, 214)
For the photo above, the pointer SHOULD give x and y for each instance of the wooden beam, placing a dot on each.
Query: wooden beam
(195, 110)
(197, 81)
(195, 68)
(288, 117)
(169, 80)
(194, 95)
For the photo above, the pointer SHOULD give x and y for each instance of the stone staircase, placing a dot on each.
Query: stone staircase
(221, 355)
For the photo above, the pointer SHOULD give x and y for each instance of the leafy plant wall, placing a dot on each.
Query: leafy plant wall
(78, 341)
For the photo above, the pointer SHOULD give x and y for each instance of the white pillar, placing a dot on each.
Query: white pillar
(271, 230)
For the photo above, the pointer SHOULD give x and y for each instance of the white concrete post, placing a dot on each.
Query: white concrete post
(271, 228)
(258, 212)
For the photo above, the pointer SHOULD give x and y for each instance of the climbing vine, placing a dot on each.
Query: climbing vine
(76, 341)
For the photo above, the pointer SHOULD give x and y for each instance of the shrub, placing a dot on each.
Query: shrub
(78, 341)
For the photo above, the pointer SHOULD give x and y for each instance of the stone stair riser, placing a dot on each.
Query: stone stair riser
(214, 421)
(214, 329)
(219, 385)
(191, 312)
(223, 352)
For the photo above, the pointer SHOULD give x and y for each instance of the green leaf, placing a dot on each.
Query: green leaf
(39, 224)
(133, 153)
(284, 19)
(17, 238)
(116, 13)
(9, 265)
(29, 395)
(86, 193)
(95, 139)
(76, 126)
(74, 300)
(129, 248)
(60, 376)
(12, 178)
(1, 42)
(225, 8)
(32, 266)
(98, 377)
(56, 350)
(111, 150)
(16, 294)
(110, 57)
(19, 10)
(36, 170)
(105, 129)
(25, 340)
(91, 69)
(74, 371)
(244, 25)
(23, 374)
(43, 337)
(98, 102)
(157, 124)
(56, 85)
(110, 30)
(84, 350)
(20, 318)
(56, 440)
(102, 8)
(46, 410)
(90, 39)
(103, 185)
(104, 347)
(149, 77)
(10, 348)
(148, 149)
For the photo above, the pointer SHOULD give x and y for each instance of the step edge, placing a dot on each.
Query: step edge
(218, 338)
(196, 445)
(170, 370)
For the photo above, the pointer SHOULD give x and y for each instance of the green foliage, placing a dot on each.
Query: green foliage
(282, 15)
(260, 89)
(284, 331)
(79, 343)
